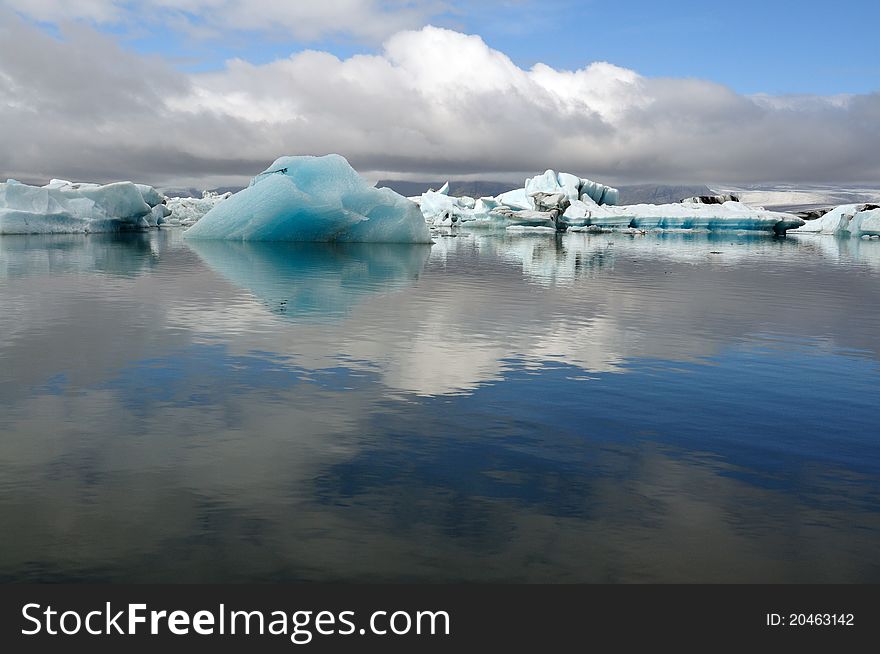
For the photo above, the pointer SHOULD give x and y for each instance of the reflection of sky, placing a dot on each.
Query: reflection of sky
(493, 412)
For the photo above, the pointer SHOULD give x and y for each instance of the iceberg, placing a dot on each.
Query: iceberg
(313, 199)
(540, 202)
(441, 210)
(847, 220)
(727, 216)
(63, 207)
(188, 211)
(866, 224)
(567, 202)
(720, 198)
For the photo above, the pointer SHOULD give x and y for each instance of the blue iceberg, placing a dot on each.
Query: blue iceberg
(313, 199)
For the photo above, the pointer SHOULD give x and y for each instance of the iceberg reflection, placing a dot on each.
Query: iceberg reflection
(314, 280)
(123, 254)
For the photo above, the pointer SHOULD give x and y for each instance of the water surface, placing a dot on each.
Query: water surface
(533, 408)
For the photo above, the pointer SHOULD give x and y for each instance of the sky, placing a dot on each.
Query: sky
(209, 92)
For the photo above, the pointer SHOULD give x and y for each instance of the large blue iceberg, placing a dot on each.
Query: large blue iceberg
(313, 199)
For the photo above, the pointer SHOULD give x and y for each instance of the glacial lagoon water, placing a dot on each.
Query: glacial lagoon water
(598, 408)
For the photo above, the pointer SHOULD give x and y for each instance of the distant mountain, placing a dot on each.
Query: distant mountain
(193, 192)
(804, 197)
(457, 189)
(660, 193)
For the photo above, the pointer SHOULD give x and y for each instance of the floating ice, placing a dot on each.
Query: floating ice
(539, 203)
(188, 211)
(317, 199)
(517, 199)
(854, 220)
(711, 199)
(694, 216)
(564, 201)
(63, 207)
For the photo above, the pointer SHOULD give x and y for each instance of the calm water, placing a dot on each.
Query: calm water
(539, 408)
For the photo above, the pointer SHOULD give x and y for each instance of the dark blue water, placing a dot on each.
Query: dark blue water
(534, 408)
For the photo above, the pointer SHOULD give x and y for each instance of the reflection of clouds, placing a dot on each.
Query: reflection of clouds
(590, 300)
(298, 496)
(143, 482)
(566, 259)
(602, 299)
(845, 251)
(197, 433)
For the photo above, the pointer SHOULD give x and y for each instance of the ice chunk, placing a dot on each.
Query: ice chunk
(438, 206)
(158, 215)
(524, 218)
(63, 207)
(517, 199)
(711, 199)
(318, 199)
(868, 223)
(578, 213)
(610, 196)
(598, 193)
(188, 211)
(485, 205)
(570, 185)
(546, 183)
(150, 195)
(551, 201)
(696, 216)
(846, 220)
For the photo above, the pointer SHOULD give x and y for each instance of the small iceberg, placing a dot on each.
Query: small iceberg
(530, 206)
(313, 199)
(63, 207)
(564, 201)
(188, 211)
(847, 220)
(729, 215)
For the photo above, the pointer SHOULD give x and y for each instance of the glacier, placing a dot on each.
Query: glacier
(63, 207)
(563, 201)
(847, 220)
(313, 199)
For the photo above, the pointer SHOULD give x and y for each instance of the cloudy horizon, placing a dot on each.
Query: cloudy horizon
(404, 90)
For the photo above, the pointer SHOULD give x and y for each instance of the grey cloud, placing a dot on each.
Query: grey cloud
(433, 102)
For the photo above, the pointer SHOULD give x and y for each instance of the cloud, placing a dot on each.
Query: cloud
(432, 102)
(363, 20)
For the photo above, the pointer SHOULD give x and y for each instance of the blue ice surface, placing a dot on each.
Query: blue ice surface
(313, 199)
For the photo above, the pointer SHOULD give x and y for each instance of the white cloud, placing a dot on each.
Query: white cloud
(431, 102)
(366, 20)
